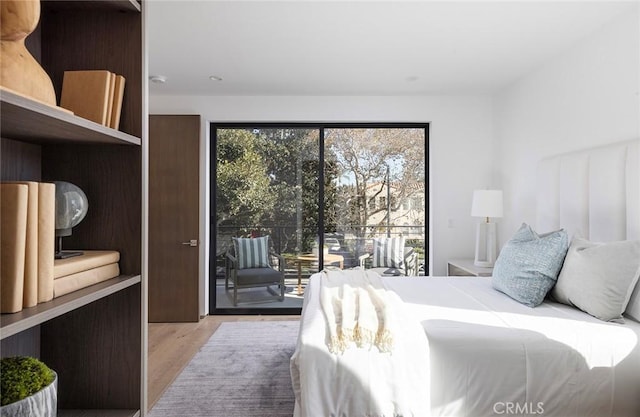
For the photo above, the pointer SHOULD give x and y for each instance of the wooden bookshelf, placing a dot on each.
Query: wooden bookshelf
(94, 338)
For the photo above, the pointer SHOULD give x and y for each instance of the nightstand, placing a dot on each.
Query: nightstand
(465, 267)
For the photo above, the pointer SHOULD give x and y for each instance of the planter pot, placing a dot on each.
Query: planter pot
(43, 403)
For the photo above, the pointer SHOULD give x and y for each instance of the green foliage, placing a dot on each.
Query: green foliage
(22, 376)
(242, 191)
(269, 177)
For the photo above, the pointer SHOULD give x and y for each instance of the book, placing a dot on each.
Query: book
(46, 239)
(88, 260)
(118, 96)
(86, 93)
(13, 237)
(30, 288)
(73, 282)
(112, 84)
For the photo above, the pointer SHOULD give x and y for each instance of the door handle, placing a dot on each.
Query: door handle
(192, 242)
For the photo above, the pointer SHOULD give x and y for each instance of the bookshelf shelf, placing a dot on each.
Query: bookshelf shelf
(29, 121)
(11, 324)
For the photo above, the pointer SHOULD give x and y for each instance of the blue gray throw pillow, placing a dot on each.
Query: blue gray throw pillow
(529, 264)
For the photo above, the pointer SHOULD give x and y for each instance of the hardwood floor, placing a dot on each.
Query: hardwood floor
(173, 345)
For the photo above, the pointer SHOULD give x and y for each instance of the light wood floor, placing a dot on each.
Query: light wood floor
(173, 345)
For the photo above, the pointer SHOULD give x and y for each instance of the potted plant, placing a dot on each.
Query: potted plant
(28, 388)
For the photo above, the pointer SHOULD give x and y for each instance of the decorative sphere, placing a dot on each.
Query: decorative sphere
(71, 207)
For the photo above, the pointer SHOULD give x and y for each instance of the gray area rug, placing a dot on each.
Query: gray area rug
(242, 371)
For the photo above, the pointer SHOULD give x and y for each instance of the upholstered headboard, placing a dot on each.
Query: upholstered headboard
(594, 193)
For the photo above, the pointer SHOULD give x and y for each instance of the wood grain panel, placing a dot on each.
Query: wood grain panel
(19, 161)
(173, 217)
(96, 352)
(109, 40)
(110, 176)
(26, 343)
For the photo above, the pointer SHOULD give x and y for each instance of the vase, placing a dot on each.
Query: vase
(19, 70)
(43, 403)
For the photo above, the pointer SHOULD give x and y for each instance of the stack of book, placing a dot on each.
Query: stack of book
(92, 267)
(29, 275)
(27, 237)
(95, 95)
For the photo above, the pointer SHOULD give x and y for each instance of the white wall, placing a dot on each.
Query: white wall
(460, 146)
(588, 96)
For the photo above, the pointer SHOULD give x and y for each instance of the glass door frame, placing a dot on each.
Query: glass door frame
(320, 126)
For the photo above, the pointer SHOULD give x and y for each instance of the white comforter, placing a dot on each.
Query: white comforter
(359, 382)
(487, 355)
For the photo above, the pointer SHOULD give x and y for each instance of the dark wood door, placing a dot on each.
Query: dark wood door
(174, 143)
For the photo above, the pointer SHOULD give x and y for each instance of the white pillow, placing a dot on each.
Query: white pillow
(598, 278)
(633, 308)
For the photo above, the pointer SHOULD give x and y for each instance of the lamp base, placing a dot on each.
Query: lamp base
(64, 254)
(486, 245)
(67, 254)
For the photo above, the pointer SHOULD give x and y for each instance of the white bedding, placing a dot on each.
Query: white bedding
(487, 355)
(359, 382)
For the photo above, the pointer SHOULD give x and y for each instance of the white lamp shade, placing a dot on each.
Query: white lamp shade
(487, 203)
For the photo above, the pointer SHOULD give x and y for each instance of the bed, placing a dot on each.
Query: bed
(466, 349)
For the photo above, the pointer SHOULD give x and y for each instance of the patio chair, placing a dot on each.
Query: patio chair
(249, 263)
(391, 257)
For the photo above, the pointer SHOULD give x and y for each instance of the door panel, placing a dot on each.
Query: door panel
(173, 217)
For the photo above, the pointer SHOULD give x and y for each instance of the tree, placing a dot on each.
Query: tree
(243, 195)
(368, 162)
(292, 162)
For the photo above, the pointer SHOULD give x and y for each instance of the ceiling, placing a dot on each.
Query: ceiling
(360, 47)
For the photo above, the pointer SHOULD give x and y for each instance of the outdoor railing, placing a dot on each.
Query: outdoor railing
(286, 240)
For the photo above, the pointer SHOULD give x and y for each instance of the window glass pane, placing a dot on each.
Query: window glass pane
(371, 175)
(266, 185)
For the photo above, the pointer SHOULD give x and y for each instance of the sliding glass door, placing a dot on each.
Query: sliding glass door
(320, 192)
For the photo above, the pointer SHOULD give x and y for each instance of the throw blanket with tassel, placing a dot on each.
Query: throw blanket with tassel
(357, 310)
(360, 351)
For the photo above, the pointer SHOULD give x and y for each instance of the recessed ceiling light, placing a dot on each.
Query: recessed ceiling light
(215, 78)
(158, 79)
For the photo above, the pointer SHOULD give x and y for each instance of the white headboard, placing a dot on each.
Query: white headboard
(593, 192)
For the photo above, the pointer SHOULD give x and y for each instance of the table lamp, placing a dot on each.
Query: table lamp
(486, 204)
